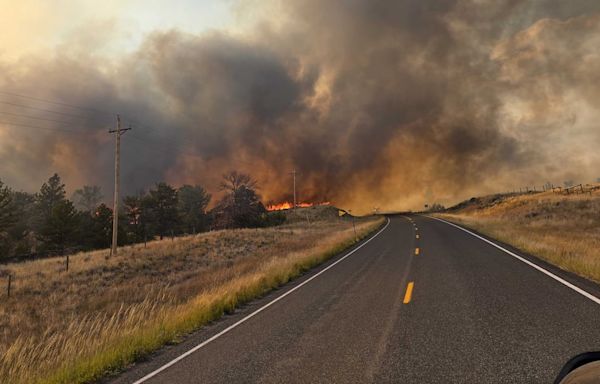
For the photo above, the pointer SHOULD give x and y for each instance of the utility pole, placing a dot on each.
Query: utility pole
(118, 132)
(294, 176)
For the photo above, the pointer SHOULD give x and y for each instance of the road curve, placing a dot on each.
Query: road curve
(422, 302)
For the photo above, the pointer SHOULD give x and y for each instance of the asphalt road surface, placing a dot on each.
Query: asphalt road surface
(457, 310)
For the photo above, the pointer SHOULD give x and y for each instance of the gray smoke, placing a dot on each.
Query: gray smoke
(375, 103)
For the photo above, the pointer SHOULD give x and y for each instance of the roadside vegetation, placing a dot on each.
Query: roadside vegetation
(105, 313)
(561, 229)
(47, 223)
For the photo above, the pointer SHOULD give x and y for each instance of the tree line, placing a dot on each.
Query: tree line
(48, 223)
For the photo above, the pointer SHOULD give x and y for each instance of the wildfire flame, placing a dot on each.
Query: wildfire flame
(288, 205)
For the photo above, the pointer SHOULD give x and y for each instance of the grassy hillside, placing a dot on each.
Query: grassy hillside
(72, 327)
(561, 229)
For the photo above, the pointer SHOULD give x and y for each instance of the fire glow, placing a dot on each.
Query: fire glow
(288, 205)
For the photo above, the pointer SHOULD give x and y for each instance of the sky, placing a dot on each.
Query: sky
(388, 104)
(33, 26)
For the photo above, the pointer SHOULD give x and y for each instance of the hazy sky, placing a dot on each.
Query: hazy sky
(376, 103)
(29, 26)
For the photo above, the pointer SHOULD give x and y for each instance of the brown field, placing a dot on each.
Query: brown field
(103, 314)
(561, 229)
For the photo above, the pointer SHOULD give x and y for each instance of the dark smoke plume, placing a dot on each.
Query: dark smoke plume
(375, 103)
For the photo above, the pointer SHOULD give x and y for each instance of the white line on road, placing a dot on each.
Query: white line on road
(520, 258)
(234, 325)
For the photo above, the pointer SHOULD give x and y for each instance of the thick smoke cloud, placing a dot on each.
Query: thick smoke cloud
(375, 103)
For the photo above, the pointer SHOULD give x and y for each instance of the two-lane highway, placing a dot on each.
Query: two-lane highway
(421, 302)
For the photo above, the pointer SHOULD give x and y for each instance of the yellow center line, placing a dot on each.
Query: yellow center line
(417, 251)
(408, 294)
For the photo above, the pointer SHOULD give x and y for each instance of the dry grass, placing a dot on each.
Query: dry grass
(74, 327)
(563, 230)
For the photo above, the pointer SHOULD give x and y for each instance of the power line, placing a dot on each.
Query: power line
(54, 102)
(35, 117)
(44, 110)
(59, 103)
(160, 147)
(43, 128)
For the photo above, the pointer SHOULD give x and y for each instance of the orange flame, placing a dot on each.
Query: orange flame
(288, 205)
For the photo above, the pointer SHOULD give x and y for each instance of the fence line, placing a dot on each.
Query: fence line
(549, 187)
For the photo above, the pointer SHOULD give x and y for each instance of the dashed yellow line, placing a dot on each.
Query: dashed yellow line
(408, 294)
(417, 251)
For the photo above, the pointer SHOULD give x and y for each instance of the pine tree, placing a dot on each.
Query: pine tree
(57, 218)
(59, 227)
(51, 193)
(192, 203)
(20, 234)
(162, 205)
(8, 214)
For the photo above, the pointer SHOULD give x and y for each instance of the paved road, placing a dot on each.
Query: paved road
(475, 315)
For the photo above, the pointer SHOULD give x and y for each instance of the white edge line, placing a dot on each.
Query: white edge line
(531, 264)
(234, 325)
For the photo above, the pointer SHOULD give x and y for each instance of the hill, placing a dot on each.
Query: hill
(311, 214)
(561, 228)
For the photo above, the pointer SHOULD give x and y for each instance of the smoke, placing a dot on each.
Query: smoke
(374, 103)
